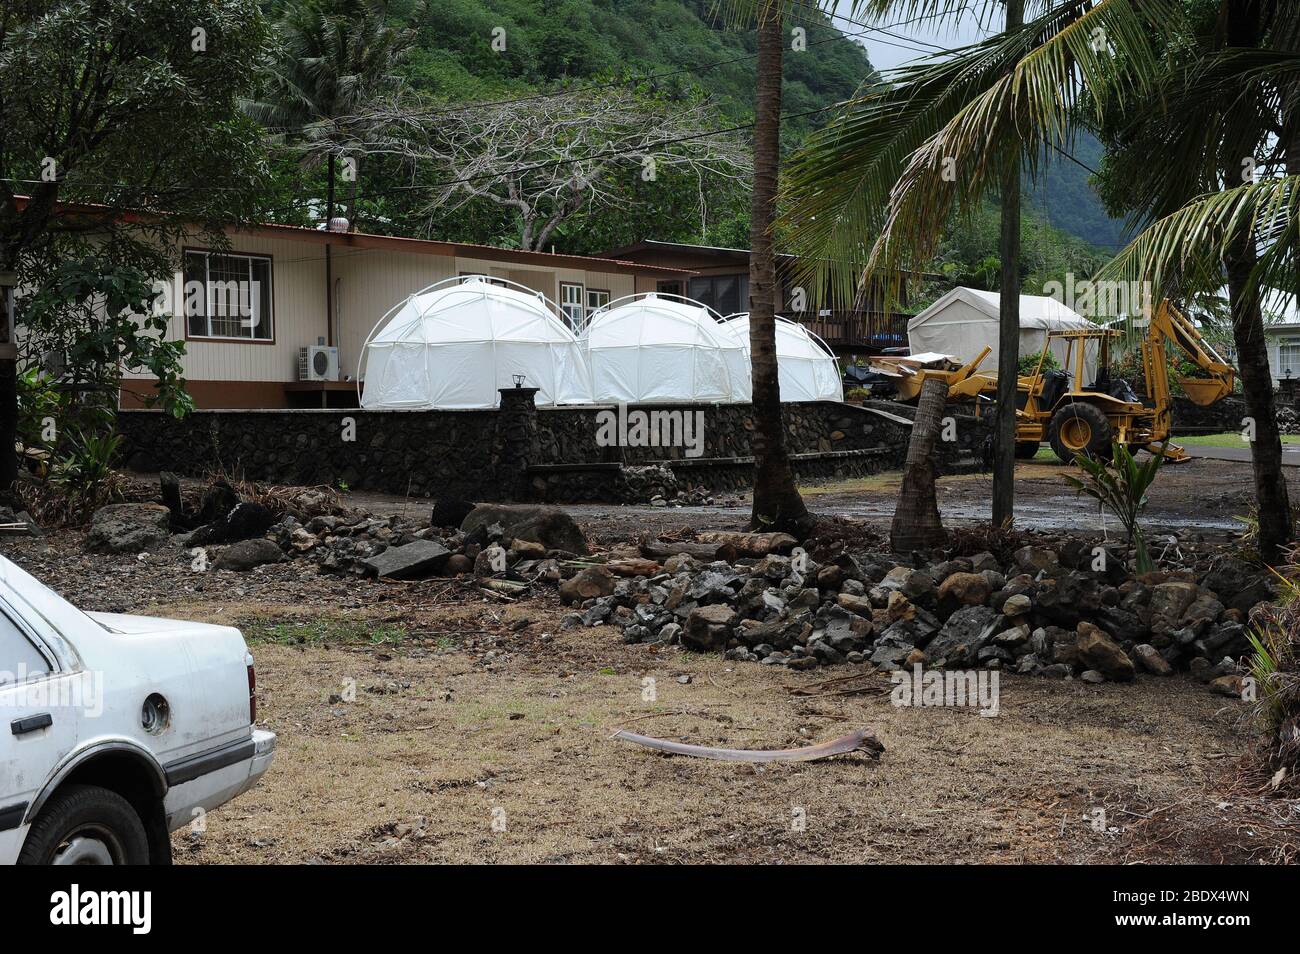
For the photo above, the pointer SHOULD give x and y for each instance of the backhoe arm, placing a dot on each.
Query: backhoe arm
(1170, 324)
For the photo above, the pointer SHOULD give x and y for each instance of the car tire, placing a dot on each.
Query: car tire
(86, 824)
(1079, 428)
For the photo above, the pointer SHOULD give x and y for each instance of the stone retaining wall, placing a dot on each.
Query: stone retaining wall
(1218, 418)
(520, 451)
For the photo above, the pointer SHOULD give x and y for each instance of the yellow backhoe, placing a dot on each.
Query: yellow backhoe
(1081, 411)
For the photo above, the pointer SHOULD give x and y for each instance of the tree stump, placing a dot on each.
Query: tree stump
(916, 518)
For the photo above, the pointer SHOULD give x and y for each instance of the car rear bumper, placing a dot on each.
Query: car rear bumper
(226, 773)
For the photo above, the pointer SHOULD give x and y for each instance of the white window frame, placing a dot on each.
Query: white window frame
(1285, 345)
(267, 322)
(597, 298)
(576, 318)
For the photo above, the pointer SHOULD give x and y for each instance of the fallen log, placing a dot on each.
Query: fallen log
(633, 567)
(660, 550)
(752, 544)
(509, 587)
(860, 741)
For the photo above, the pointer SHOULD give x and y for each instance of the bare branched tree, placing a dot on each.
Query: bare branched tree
(548, 158)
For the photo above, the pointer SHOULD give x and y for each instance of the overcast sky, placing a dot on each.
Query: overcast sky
(898, 44)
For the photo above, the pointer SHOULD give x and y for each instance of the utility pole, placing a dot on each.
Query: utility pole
(1004, 439)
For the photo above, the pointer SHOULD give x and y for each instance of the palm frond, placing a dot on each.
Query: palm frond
(869, 195)
(1182, 251)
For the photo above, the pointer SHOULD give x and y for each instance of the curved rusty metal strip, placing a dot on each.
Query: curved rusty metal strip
(860, 741)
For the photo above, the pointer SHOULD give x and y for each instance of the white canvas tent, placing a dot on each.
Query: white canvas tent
(965, 320)
(806, 367)
(452, 345)
(650, 348)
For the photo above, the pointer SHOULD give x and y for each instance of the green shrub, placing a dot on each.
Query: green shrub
(1120, 487)
(1275, 669)
(1028, 363)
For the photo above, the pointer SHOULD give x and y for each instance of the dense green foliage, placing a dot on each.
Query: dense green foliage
(968, 255)
(551, 45)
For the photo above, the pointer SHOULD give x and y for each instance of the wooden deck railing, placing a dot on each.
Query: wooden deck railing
(860, 329)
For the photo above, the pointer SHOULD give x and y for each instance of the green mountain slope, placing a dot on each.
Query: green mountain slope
(1066, 199)
(552, 41)
(589, 41)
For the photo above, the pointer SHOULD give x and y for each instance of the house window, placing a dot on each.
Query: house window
(670, 288)
(725, 294)
(228, 296)
(571, 303)
(1288, 358)
(596, 298)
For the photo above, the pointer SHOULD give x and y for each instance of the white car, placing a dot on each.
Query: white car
(116, 730)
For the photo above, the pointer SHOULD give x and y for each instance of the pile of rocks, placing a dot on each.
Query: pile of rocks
(225, 532)
(657, 485)
(1046, 612)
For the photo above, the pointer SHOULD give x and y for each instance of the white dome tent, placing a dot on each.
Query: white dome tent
(806, 367)
(662, 348)
(455, 343)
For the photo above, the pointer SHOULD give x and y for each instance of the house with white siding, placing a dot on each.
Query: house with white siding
(246, 312)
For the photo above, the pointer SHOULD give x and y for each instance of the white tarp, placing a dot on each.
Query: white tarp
(805, 367)
(965, 320)
(651, 348)
(453, 345)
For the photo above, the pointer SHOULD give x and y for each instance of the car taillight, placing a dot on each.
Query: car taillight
(252, 695)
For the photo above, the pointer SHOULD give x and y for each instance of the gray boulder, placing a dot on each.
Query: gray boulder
(247, 554)
(1238, 584)
(128, 528)
(708, 628)
(549, 526)
(420, 558)
(964, 635)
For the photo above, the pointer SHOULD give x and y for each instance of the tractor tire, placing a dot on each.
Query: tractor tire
(1079, 428)
(1026, 450)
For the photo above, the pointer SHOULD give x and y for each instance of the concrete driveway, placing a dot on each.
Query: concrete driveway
(1290, 453)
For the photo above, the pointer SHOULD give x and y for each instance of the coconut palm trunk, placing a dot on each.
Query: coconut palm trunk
(1004, 439)
(1271, 494)
(917, 524)
(777, 504)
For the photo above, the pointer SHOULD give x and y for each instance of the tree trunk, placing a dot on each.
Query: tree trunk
(777, 504)
(8, 406)
(917, 524)
(1004, 438)
(1271, 495)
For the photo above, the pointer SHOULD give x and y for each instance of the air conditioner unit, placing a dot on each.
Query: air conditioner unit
(318, 363)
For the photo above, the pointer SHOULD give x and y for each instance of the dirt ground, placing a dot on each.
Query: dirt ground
(454, 754)
(420, 723)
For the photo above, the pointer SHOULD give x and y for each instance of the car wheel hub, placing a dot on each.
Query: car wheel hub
(82, 850)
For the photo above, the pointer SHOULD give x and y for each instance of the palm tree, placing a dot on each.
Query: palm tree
(331, 58)
(1227, 114)
(777, 504)
(903, 156)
